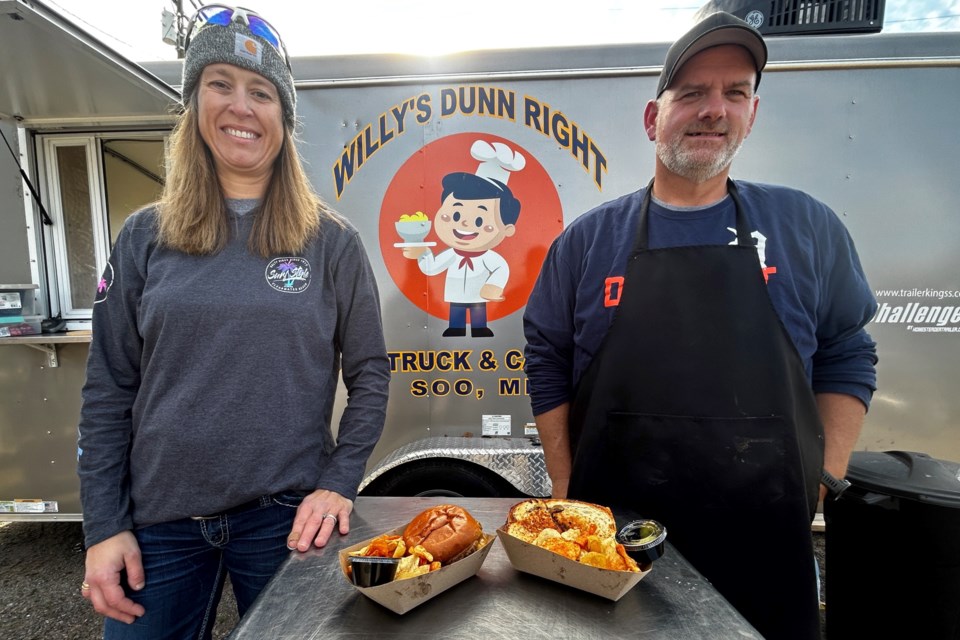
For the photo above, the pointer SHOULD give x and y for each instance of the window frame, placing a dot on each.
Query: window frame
(55, 250)
(57, 254)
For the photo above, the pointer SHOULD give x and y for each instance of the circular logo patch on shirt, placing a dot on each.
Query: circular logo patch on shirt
(289, 275)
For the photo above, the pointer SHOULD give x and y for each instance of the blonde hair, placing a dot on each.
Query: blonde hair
(192, 211)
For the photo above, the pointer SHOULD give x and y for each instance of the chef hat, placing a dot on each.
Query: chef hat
(497, 160)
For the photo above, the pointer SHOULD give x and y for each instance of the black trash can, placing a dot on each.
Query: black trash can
(893, 549)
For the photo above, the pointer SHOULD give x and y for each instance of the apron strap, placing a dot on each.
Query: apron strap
(642, 241)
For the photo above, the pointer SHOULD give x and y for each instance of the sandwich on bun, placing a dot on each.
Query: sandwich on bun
(447, 532)
(580, 531)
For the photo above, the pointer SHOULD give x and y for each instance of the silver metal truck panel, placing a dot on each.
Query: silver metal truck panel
(518, 460)
(57, 75)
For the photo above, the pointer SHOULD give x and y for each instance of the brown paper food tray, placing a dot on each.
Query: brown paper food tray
(401, 596)
(537, 561)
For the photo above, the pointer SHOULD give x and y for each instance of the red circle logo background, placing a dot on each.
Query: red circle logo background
(417, 187)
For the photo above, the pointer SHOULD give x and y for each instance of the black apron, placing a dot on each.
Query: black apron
(696, 411)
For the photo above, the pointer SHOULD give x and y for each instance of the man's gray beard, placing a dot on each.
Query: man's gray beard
(686, 165)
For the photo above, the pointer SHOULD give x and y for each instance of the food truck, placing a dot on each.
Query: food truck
(863, 121)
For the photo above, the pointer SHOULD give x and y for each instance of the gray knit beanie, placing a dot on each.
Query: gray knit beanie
(235, 44)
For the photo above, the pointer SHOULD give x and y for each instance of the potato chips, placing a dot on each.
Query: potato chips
(414, 561)
(591, 549)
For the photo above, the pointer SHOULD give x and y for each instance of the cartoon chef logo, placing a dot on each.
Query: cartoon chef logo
(494, 212)
(477, 212)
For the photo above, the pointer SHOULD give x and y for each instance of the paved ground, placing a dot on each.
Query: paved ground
(41, 568)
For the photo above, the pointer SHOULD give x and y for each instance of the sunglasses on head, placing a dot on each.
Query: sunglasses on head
(221, 16)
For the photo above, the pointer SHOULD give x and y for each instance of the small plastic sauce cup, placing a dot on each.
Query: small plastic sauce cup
(643, 540)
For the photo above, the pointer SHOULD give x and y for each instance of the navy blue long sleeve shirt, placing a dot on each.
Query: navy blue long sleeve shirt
(814, 279)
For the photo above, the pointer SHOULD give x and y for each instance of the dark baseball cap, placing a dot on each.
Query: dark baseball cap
(716, 29)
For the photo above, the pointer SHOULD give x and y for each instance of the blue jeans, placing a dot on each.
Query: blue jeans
(186, 563)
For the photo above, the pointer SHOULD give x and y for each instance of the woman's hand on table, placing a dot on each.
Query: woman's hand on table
(319, 515)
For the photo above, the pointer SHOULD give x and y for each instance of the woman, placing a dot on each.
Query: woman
(220, 327)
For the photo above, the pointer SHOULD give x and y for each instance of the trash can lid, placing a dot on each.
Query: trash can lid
(907, 474)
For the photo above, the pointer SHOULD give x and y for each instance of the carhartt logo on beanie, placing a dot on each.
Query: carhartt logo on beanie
(235, 44)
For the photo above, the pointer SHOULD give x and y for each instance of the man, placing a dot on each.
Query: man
(696, 351)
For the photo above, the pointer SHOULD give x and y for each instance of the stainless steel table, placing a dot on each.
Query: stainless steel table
(310, 598)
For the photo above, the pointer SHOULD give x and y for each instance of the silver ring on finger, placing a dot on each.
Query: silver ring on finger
(330, 515)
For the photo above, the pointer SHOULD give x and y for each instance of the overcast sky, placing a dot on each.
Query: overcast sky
(309, 27)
